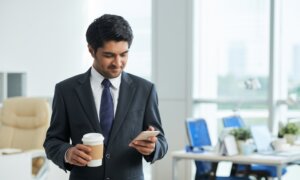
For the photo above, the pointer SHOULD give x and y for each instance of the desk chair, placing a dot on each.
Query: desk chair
(199, 136)
(23, 125)
(261, 171)
(233, 122)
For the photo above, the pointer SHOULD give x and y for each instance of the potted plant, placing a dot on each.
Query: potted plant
(242, 134)
(290, 131)
(244, 140)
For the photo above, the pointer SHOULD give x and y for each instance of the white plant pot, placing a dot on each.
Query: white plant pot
(245, 147)
(290, 138)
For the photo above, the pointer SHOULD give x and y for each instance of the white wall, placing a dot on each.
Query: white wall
(172, 72)
(45, 39)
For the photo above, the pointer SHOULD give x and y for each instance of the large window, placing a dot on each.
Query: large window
(239, 45)
(289, 38)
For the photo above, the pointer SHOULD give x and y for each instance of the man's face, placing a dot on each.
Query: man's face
(111, 59)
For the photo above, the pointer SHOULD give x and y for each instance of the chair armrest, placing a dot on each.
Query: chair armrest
(42, 172)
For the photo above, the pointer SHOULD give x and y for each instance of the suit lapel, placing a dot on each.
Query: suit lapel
(85, 95)
(126, 94)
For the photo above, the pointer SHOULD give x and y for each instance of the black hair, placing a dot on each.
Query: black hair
(106, 28)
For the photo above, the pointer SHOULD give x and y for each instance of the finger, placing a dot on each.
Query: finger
(79, 159)
(74, 154)
(83, 148)
(82, 155)
(144, 150)
(146, 144)
(143, 144)
(152, 139)
(77, 163)
(151, 128)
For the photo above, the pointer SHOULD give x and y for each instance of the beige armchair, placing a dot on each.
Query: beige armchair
(23, 125)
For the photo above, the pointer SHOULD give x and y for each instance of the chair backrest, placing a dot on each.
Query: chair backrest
(198, 132)
(199, 136)
(233, 122)
(24, 123)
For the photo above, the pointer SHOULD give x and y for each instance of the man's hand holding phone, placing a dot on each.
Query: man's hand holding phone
(145, 141)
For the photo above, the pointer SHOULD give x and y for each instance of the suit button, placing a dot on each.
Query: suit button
(107, 156)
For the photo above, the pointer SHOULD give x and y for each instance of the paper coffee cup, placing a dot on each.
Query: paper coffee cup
(95, 141)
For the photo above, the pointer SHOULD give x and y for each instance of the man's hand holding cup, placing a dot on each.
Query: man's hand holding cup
(89, 153)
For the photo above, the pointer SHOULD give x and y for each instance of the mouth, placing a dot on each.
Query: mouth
(114, 68)
(115, 71)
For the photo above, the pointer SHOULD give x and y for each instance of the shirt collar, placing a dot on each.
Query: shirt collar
(115, 82)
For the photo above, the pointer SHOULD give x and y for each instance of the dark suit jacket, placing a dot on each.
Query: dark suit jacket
(74, 114)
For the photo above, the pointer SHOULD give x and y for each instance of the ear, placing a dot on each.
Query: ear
(92, 51)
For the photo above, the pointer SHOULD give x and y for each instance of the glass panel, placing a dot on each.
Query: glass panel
(231, 60)
(15, 84)
(290, 50)
(233, 49)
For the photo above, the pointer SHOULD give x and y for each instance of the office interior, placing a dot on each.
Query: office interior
(209, 59)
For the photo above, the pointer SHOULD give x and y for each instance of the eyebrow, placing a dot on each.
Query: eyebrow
(108, 52)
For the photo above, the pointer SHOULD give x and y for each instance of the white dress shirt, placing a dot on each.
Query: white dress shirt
(97, 88)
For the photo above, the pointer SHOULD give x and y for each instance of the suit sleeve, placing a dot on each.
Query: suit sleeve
(152, 118)
(58, 135)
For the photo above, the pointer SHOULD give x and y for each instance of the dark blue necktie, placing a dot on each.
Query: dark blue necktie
(106, 110)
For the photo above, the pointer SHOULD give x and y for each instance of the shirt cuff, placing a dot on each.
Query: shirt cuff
(66, 160)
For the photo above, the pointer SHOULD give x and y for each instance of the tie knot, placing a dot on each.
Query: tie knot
(106, 83)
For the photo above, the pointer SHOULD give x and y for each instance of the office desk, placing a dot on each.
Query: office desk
(15, 166)
(278, 161)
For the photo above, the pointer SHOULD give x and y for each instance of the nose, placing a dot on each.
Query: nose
(118, 61)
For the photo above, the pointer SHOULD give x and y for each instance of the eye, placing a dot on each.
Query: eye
(124, 54)
(108, 55)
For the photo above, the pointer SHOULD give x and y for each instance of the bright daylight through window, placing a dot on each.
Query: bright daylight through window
(237, 46)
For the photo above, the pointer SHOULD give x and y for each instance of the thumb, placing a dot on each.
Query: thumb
(151, 128)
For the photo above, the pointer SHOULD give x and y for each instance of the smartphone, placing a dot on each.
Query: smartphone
(144, 135)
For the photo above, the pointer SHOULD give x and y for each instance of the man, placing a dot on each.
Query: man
(79, 103)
